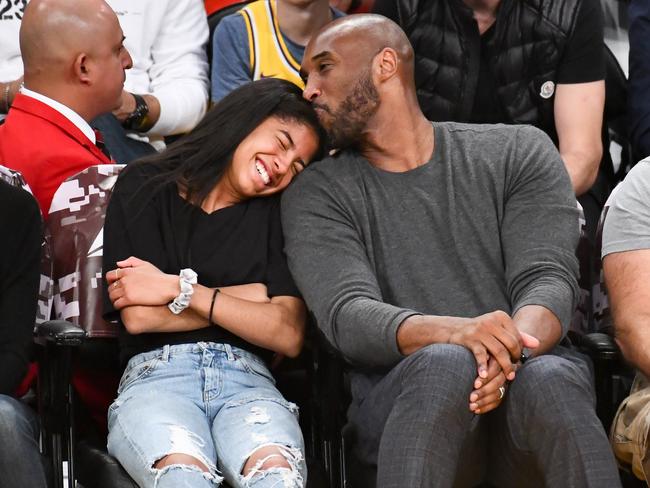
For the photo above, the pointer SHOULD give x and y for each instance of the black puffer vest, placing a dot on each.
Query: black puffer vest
(528, 43)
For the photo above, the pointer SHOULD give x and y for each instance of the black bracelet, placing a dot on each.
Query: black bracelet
(137, 117)
(214, 297)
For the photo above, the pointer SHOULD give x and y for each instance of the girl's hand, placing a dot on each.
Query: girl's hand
(137, 282)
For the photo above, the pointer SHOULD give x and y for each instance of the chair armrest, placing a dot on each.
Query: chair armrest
(61, 333)
(599, 346)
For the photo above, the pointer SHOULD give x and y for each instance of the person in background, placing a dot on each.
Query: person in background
(265, 39)
(166, 92)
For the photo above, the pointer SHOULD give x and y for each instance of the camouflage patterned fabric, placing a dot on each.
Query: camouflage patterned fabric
(45, 295)
(600, 303)
(76, 226)
(580, 321)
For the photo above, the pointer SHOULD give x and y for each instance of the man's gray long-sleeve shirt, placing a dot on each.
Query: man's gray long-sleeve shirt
(489, 223)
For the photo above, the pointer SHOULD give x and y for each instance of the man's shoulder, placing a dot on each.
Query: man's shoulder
(636, 185)
(339, 171)
(492, 134)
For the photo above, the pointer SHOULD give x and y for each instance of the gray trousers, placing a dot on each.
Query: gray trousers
(415, 425)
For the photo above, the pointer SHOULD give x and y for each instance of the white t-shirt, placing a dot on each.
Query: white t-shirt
(166, 39)
(11, 66)
(627, 224)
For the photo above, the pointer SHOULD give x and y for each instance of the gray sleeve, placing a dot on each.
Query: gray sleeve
(230, 56)
(328, 261)
(540, 228)
(627, 226)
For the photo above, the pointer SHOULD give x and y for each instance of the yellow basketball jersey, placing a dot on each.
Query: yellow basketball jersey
(269, 55)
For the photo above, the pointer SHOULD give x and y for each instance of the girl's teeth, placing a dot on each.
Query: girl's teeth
(263, 173)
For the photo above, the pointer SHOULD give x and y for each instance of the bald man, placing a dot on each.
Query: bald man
(438, 259)
(75, 62)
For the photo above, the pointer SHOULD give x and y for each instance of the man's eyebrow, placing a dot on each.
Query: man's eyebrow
(291, 144)
(318, 56)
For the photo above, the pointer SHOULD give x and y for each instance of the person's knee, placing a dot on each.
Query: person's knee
(15, 417)
(553, 383)
(181, 459)
(274, 460)
(175, 468)
(448, 364)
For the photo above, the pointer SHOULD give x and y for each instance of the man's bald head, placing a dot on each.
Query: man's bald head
(73, 52)
(53, 31)
(367, 35)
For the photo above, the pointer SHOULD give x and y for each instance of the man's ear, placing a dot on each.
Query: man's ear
(385, 64)
(81, 68)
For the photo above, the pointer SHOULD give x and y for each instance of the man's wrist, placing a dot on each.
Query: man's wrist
(137, 120)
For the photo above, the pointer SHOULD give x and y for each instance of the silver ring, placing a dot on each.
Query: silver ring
(502, 392)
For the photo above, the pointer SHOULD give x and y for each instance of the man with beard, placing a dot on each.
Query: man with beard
(437, 258)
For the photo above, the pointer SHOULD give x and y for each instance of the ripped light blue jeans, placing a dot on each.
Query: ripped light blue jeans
(211, 401)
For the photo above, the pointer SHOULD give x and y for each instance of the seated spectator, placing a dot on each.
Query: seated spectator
(20, 224)
(639, 84)
(626, 268)
(433, 255)
(203, 209)
(166, 92)
(266, 39)
(516, 62)
(74, 64)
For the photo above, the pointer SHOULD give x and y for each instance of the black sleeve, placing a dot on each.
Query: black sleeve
(279, 281)
(132, 226)
(584, 56)
(639, 84)
(387, 8)
(19, 281)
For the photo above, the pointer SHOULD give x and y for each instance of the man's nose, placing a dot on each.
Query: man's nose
(128, 61)
(311, 92)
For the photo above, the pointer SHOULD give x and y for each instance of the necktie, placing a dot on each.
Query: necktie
(99, 142)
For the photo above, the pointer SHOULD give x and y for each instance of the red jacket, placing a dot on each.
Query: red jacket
(45, 147)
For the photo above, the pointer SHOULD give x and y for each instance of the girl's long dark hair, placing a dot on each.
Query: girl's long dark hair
(197, 160)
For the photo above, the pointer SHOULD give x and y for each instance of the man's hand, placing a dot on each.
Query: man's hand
(137, 282)
(486, 395)
(492, 334)
(126, 108)
(128, 104)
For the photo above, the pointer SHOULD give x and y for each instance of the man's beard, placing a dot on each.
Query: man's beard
(346, 125)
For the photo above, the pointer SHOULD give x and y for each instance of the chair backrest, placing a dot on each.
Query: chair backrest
(76, 227)
(45, 290)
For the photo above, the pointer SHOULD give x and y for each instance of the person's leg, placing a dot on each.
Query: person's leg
(158, 428)
(546, 432)
(121, 147)
(20, 460)
(256, 432)
(415, 421)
